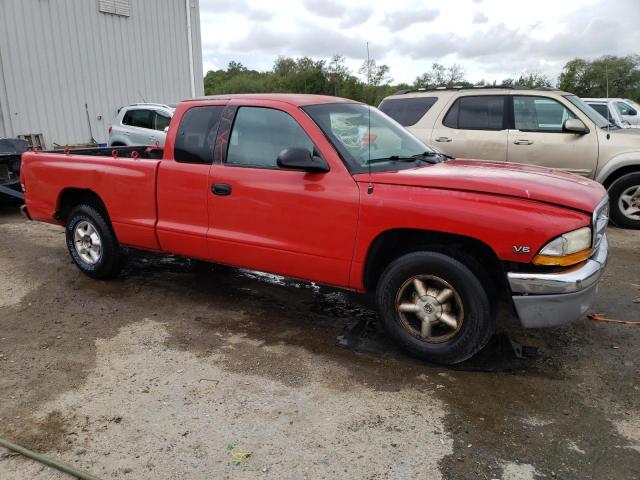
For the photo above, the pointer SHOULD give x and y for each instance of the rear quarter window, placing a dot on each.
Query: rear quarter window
(477, 113)
(407, 111)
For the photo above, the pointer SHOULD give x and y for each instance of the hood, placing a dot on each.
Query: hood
(628, 137)
(500, 178)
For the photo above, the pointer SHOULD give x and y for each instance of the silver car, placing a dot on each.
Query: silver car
(141, 124)
(608, 110)
(619, 108)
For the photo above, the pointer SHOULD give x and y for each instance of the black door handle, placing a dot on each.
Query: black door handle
(222, 189)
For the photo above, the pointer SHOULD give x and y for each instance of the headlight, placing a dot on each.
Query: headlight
(600, 221)
(568, 249)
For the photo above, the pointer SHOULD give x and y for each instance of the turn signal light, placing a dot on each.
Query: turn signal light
(563, 261)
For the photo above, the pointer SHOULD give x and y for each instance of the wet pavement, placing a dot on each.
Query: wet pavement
(298, 374)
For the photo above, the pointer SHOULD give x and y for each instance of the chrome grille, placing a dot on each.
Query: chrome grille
(600, 222)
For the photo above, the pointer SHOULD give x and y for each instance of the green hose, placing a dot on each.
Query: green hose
(46, 460)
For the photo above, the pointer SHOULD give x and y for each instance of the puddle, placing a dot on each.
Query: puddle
(501, 354)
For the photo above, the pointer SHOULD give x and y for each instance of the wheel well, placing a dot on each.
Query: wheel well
(620, 173)
(392, 244)
(72, 197)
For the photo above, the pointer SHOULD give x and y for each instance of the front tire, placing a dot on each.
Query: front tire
(434, 307)
(624, 196)
(91, 243)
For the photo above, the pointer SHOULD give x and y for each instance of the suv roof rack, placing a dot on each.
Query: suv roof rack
(474, 87)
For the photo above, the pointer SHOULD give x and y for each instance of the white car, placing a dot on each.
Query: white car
(608, 110)
(623, 108)
(141, 124)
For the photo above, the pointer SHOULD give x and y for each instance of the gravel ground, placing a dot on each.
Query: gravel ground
(178, 370)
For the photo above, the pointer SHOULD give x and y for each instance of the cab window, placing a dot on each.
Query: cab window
(539, 114)
(196, 135)
(260, 134)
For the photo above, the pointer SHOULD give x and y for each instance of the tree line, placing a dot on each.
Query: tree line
(585, 78)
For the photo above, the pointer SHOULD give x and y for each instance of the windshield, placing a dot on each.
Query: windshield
(384, 146)
(632, 103)
(594, 116)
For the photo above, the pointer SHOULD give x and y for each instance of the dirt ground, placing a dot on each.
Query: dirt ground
(178, 371)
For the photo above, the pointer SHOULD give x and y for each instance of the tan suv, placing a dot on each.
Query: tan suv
(543, 127)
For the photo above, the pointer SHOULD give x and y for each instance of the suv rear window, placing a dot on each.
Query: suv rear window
(477, 113)
(407, 111)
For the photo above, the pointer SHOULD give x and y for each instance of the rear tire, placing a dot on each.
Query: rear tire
(92, 243)
(446, 320)
(624, 195)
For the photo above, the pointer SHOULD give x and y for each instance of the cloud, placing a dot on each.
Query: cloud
(480, 17)
(528, 36)
(241, 7)
(348, 17)
(493, 42)
(325, 8)
(399, 20)
(356, 16)
(311, 41)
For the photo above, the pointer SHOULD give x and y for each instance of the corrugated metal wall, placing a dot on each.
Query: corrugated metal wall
(58, 55)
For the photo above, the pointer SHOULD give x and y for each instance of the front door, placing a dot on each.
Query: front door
(265, 218)
(473, 126)
(538, 138)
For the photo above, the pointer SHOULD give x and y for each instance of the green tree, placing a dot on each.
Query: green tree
(528, 80)
(588, 78)
(304, 75)
(337, 71)
(442, 76)
(375, 75)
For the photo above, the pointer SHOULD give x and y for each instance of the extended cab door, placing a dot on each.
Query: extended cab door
(183, 180)
(538, 139)
(280, 221)
(473, 126)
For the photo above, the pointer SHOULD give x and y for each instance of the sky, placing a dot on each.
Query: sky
(491, 39)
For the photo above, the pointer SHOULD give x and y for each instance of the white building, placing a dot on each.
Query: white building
(66, 66)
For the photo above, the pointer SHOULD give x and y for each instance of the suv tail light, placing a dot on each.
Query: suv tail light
(109, 131)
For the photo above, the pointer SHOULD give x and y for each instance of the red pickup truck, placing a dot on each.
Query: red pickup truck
(332, 191)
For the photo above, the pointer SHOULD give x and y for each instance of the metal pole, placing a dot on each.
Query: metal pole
(187, 4)
(46, 460)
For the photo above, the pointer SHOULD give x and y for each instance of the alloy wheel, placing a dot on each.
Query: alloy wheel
(429, 308)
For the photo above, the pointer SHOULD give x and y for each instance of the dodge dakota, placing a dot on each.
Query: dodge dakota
(333, 191)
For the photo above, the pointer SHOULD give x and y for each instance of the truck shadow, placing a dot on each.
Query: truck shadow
(286, 305)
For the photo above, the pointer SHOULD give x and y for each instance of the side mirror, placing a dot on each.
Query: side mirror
(632, 112)
(295, 158)
(573, 125)
(166, 129)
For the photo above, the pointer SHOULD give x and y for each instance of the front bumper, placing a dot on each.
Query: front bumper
(552, 299)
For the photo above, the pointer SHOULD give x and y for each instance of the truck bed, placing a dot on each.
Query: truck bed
(124, 178)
